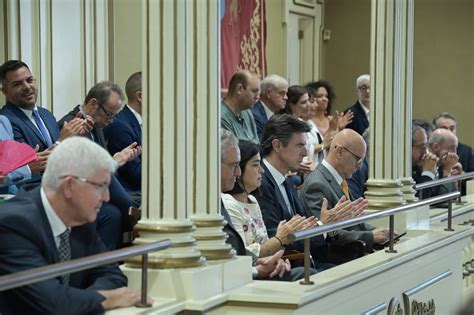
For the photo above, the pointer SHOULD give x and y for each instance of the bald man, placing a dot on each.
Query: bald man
(236, 114)
(328, 181)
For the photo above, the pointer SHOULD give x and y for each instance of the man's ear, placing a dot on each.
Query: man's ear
(66, 186)
(276, 144)
(139, 95)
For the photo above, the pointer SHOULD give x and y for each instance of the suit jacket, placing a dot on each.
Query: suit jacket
(27, 241)
(122, 132)
(432, 191)
(321, 184)
(260, 117)
(25, 131)
(465, 157)
(96, 134)
(274, 210)
(22, 173)
(359, 122)
(358, 180)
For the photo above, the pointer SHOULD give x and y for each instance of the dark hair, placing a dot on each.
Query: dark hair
(10, 65)
(240, 77)
(133, 84)
(313, 88)
(294, 93)
(429, 127)
(281, 127)
(444, 115)
(247, 151)
(101, 92)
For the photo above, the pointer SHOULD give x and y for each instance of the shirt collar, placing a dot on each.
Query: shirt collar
(333, 172)
(136, 114)
(27, 112)
(277, 176)
(57, 226)
(366, 110)
(268, 111)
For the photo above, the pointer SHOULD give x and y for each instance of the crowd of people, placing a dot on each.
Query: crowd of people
(288, 163)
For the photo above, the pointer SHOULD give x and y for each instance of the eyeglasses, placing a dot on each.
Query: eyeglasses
(234, 166)
(106, 112)
(101, 187)
(358, 158)
(364, 88)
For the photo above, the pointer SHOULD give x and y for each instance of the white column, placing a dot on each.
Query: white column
(390, 90)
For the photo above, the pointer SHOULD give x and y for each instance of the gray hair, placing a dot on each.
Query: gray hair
(445, 115)
(360, 79)
(76, 156)
(228, 139)
(438, 136)
(134, 83)
(414, 129)
(272, 81)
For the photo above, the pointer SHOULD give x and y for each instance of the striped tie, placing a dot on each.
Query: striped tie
(65, 252)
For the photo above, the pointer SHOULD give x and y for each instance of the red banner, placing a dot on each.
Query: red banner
(243, 38)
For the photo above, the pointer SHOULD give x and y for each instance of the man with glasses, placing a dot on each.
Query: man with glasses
(236, 114)
(102, 103)
(273, 98)
(54, 223)
(328, 182)
(361, 108)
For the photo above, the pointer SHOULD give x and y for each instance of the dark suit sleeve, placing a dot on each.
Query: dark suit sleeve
(19, 252)
(119, 136)
(271, 213)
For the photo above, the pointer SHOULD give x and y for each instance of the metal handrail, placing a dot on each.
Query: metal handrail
(444, 180)
(34, 275)
(308, 233)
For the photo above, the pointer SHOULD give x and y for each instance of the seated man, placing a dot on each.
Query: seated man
(101, 105)
(7, 182)
(328, 181)
(31, 124)
(53, 223)
(126, 129)
(283, 148)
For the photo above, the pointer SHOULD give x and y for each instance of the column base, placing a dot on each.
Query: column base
(384, 193)
(408, 190)
(211, 239)
(181, 254)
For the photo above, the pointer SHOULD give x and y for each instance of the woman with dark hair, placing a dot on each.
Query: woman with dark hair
(323, 125)
(245, 212)
(297, 103)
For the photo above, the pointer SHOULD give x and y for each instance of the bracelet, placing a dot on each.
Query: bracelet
(281, 244)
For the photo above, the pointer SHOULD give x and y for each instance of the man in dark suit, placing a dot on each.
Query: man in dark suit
(328, 181)
(101, 105)
(31, 124)
(361, 108)
(273, 98)
(51, 224)
(283, 148)
(448, 121)
(126, 129)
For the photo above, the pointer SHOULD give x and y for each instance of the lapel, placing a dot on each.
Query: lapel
(276, 189)
(137, 130)
(336, 188)
(51, 247)
(27, 122)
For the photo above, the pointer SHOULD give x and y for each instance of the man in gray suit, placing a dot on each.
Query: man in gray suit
(328, 181)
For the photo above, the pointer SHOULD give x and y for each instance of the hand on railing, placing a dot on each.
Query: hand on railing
(122, 297)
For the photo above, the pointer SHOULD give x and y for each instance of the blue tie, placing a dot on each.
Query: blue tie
(42, 128)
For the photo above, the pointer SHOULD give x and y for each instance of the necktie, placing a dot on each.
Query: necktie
(345, 189)
(287, 185)
(64, 252)
(42, 128)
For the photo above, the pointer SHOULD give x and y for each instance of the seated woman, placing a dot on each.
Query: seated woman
(245, 212)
